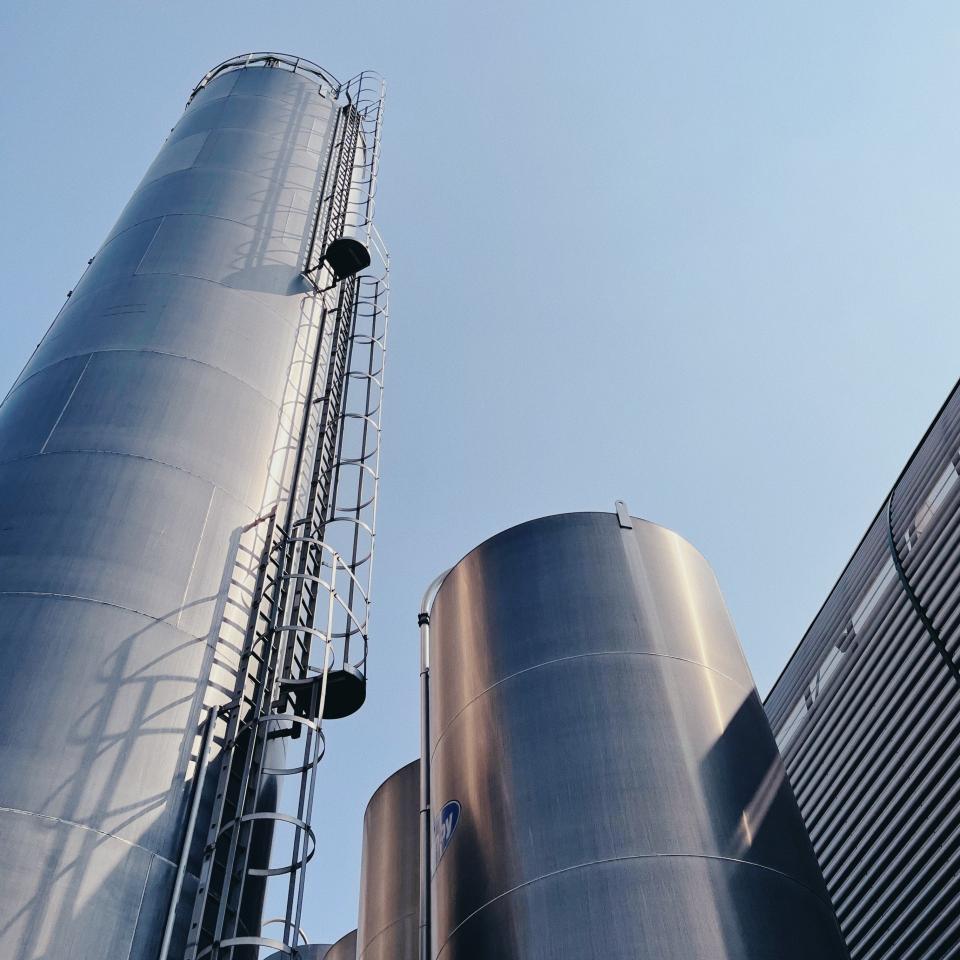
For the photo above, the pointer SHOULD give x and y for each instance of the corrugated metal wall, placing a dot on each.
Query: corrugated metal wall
(867, 715)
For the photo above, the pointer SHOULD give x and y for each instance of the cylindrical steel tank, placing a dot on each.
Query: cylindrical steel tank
(344, 949)
(389, 877)
(150, 430)
(604, 781)
(308, 951)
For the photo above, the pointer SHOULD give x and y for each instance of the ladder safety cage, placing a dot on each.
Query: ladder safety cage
(345, 206)
(305, 651)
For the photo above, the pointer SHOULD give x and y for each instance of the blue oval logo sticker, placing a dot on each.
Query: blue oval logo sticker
(443, 826)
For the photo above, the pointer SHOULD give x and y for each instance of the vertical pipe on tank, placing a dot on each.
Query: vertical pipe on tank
(423, 620)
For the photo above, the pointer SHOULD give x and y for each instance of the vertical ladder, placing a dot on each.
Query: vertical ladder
(304, 599)
(277, 645)
(307, 532)
(216, 913)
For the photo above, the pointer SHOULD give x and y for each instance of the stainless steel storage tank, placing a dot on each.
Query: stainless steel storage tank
(604, 781)
(389, 877)
(147, 434)
(344, 949)
(309, 951)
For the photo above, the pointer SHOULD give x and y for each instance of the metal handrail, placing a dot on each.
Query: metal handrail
(266, 59)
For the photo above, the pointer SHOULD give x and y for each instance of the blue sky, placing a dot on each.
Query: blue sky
(698, 256)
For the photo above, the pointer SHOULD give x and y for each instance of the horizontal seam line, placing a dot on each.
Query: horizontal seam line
(246, 294)
(132, 456)
(259, 96)
(643, 856)
(205, 216)
(158, 353)
(582, 656)
(77, 596)
(82, 826)
(195, 166)
(213, 643)
(383, 930)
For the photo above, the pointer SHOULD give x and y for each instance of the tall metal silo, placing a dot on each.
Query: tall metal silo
(389, 877)
(604, 782)
(187, 485)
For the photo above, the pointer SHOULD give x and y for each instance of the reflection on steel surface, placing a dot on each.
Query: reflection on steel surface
(389, 884)
(344, 949)
(621, 791)
(144, 452)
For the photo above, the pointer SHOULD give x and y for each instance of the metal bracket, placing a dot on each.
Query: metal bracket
(623, 515)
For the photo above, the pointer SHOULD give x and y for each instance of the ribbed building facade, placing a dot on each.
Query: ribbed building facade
(867, 717)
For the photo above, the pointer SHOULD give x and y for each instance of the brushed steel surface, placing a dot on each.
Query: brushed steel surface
(309, 951)
(152, 425)
(621, 792)
(389, 876)
(344, 949)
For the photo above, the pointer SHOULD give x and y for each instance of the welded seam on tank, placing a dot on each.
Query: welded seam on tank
(157, 353)
(407, 916)
(196, 554)
(82, 826)
(643, 856)
(163, 217)
(240, 94)
(582, 656)
(82, 599)
(92, 452)
(160, 218)
(78, 296)
(210, 216)
(63, 410)
(139, 913)
(202, 167)
(212, 644)
(279, 138)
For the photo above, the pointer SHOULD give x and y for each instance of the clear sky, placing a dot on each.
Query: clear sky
(699, 256)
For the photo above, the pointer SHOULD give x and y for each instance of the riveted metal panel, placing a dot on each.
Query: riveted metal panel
(152, 427)
(389, 876)
(620, 792)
